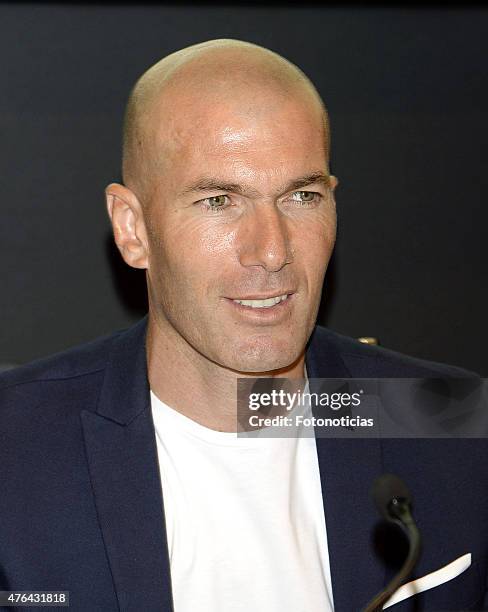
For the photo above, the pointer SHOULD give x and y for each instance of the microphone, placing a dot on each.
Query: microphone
(393, 501)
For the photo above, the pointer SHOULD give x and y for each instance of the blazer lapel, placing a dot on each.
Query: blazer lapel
(348, 468)
(123, 465)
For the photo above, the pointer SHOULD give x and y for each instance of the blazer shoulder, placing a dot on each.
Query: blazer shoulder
(80, 360)
(383, 362)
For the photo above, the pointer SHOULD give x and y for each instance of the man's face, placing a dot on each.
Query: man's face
(240, 212)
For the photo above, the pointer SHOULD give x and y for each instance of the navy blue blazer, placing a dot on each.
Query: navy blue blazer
(81, 506)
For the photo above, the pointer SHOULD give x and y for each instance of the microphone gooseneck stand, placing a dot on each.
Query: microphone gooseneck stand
(393, 501)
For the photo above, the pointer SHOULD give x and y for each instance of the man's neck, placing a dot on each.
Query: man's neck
(192, 384)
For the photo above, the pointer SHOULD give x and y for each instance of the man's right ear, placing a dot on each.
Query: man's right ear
(126, 216)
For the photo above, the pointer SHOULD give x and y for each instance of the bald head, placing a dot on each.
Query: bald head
(208, 75)
(227, 197)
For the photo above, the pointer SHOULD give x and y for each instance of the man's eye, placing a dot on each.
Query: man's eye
(215, 202)
(305, 196)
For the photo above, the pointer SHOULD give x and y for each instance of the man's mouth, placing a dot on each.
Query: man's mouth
(262, 303)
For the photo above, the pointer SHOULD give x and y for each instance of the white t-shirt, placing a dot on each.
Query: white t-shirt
(244, 519)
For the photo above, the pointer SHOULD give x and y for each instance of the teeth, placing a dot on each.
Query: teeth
(263, 303)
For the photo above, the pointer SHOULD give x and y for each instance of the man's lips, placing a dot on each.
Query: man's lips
(267, 296)
(262, 304)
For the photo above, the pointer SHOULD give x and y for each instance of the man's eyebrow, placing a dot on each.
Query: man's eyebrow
(212, 184)
(309, 179)
(205, 184)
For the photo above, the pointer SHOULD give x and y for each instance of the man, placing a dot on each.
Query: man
(123, 481)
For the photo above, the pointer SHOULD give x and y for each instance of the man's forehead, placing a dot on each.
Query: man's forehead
(263, 176)
(247, 123)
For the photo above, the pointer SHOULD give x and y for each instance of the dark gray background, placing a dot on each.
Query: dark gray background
(407, 93)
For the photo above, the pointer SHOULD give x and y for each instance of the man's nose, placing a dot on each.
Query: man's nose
(265, 239)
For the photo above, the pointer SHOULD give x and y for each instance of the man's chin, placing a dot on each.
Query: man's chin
(259, 361)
